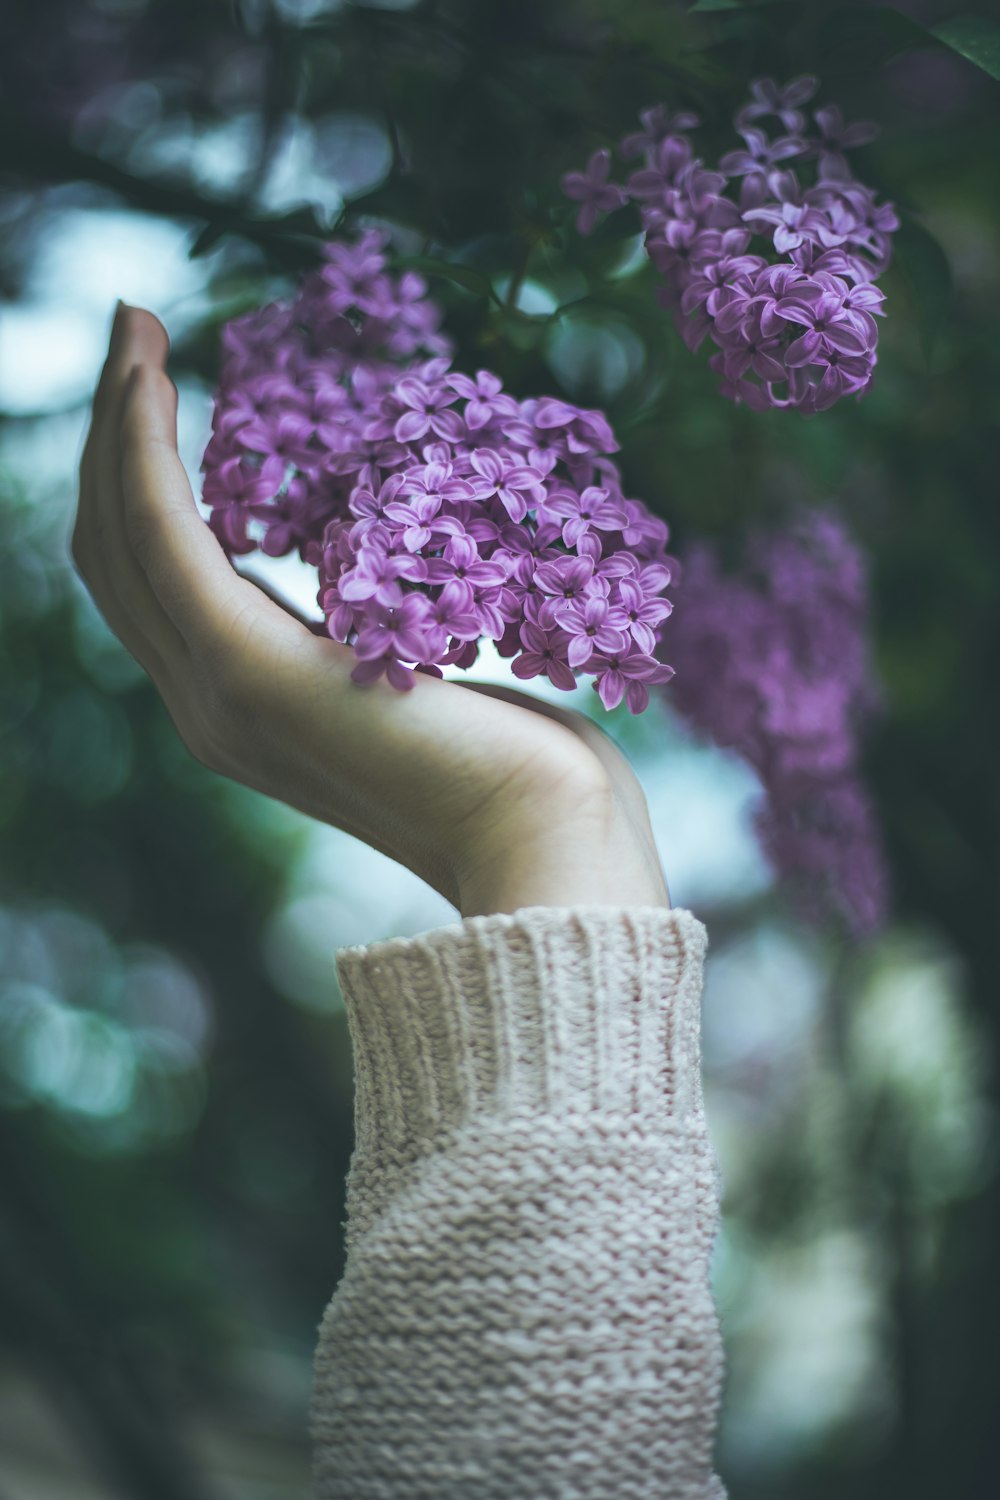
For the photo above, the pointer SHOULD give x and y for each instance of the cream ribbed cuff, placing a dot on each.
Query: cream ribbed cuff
(546, 1010)
(580, 1008)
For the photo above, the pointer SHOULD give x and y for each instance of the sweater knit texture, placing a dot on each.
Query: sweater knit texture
(526, 1310)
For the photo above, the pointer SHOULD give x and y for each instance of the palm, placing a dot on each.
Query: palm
(590, 744)
(447, 753)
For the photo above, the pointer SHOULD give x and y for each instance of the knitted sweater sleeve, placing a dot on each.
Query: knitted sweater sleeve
(525, 1311)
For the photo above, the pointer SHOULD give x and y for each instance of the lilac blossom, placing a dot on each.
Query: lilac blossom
(546, 652)
(657, 123)
(795, 224)
(516, 485)
(824, 840)
(838, 137)
(622, 674)
(237, 481)
(766, 98)
(424, 411)
(781, 220)
(406, 630)
(378, 570)
(593, 626)
(773, 661)
(592, 190)
(586, 514)
(758, 154)
(583, 432)
(485, 398)
(437, 509)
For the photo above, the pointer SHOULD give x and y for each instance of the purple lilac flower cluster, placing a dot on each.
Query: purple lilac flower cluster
(438, 509)
(773, 661)
(780, 272)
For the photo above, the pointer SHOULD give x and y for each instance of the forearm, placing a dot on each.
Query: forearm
(526, 1308)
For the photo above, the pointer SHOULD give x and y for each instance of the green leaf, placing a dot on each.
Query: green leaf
(207, 239)
(465, 276)
(298, 231)
(298, 222)
(702, 6)
(975, 38)
(926, 270)
(858, 40)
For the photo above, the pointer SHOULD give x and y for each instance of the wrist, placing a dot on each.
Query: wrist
(594, 855)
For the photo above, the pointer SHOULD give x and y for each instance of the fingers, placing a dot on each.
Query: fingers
(186, 580)
(156, 570)
(99, 548)
(224, 620)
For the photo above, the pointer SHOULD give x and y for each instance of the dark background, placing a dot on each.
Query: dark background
(175, 1073)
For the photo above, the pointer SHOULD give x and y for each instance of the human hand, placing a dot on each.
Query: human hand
(496, 800)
